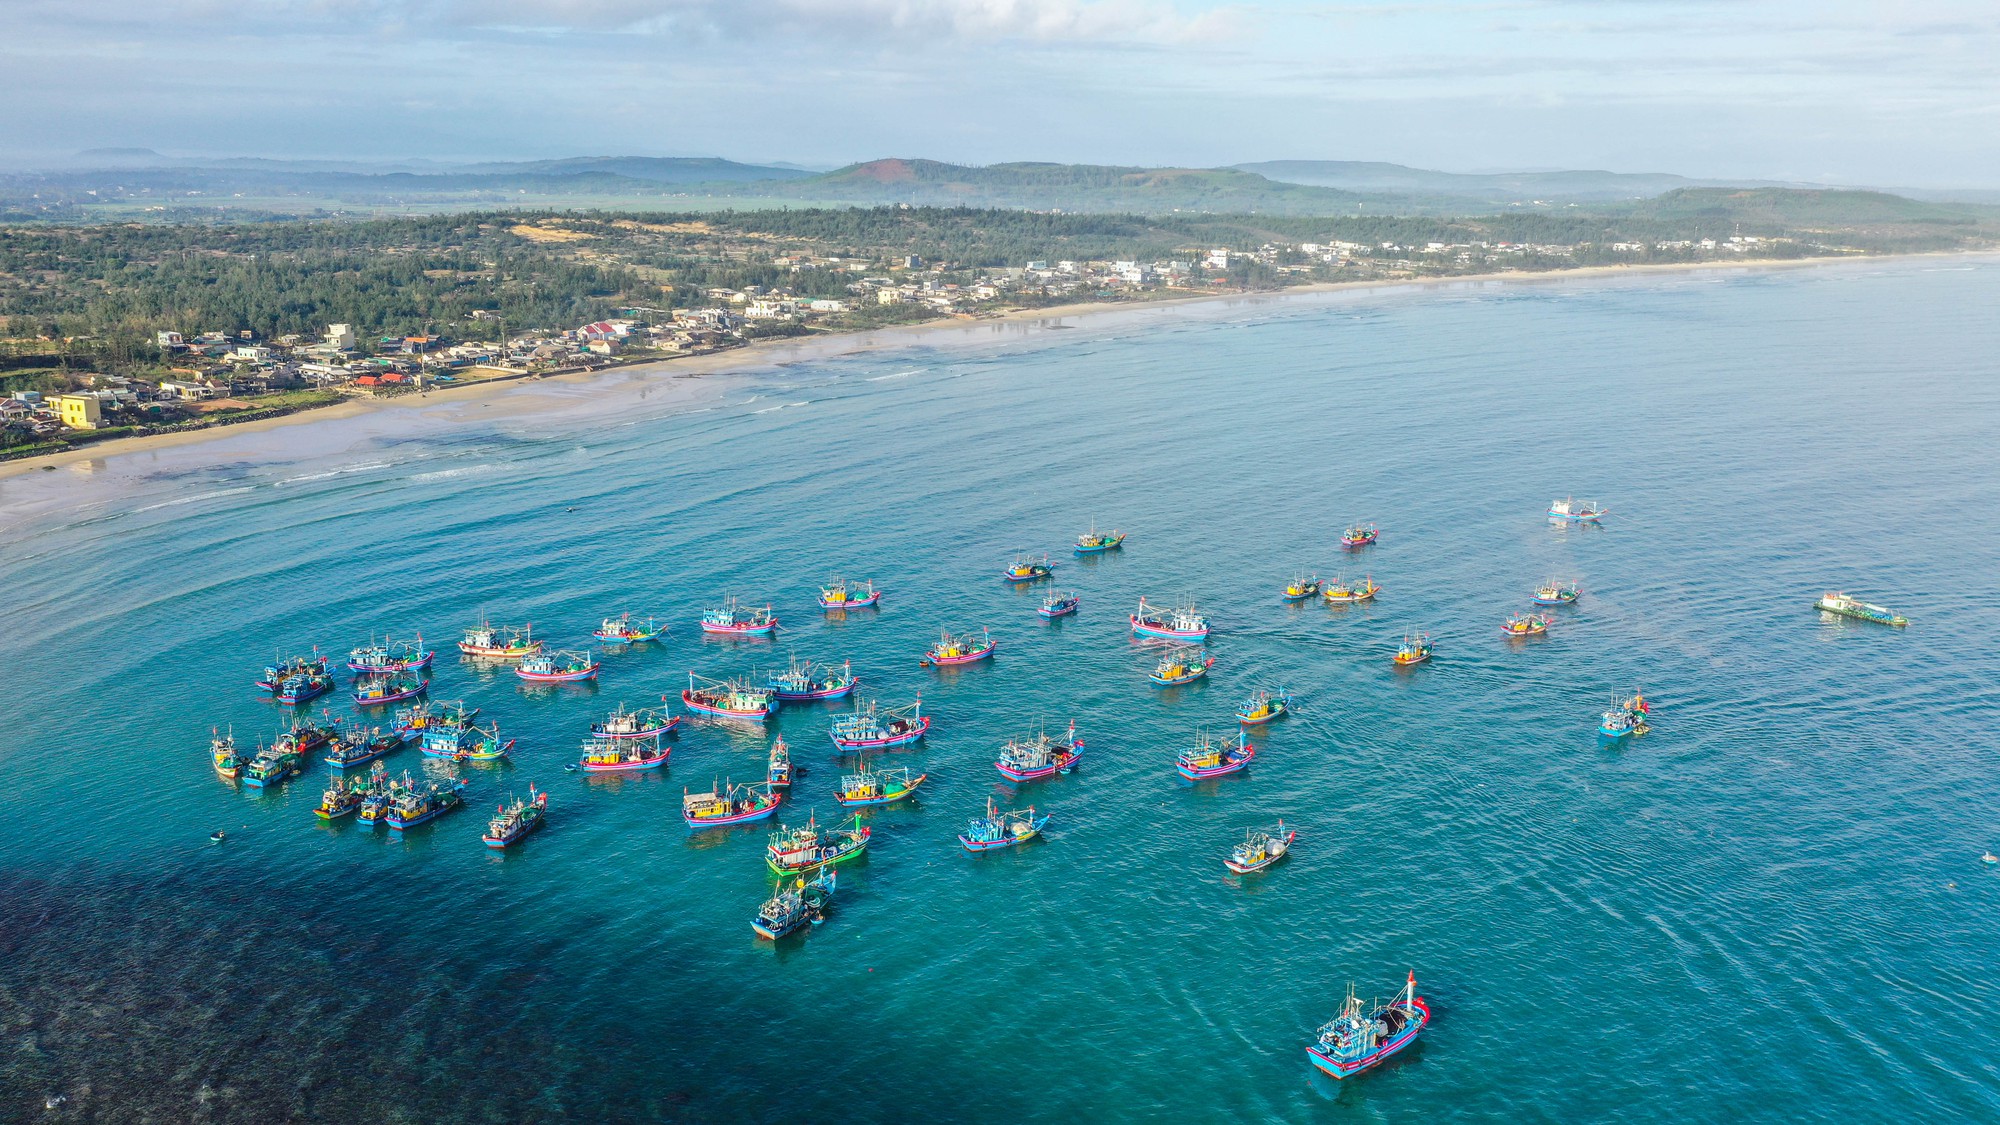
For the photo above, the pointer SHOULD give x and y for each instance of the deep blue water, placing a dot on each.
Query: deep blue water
(1771, 908)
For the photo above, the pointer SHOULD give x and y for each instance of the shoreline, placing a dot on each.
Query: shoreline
(764, 354)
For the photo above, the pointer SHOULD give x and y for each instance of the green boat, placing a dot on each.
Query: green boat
(1856, 608)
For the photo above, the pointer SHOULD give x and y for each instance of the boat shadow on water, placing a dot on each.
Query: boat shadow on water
(572, 689)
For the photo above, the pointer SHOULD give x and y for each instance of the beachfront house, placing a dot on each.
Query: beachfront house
(80, 412)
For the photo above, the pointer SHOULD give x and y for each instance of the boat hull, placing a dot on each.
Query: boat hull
(688, 701)
(500, 652)
(297, 696)
(1876, 614)
(814, 865)
(398, 697)
(1252, 868)
(1259, 720)
(1101, 547)
(931, 661)
(327, 814)
(1053, 612)
(625, 638)
(589, 673)
(1337, 1069)
(1063, 764)
(625, 767)
(976, 846)
(1148, 629)
(809, 696)
(1211, 771)
(739, 630)
(417, 665)
(647, 733)
(351, 763)
(764, 813)
(852, 603)
(886, 799)
(903, 739)
(399, 824)
(516, 836)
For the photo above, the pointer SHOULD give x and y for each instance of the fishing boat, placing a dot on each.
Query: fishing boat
(291, 667)
(340, 798)
(467, 743)
(1303, 587)
(502, 642)
(1415, 649)
(1001, 829)
(1208, 758)
(953, 649)
(1091, 543)
(622, 755)
(274, 765)
(807, 848)
(866, 787)
(873, 727)
(778, 773)
(1059, 603)
(729, 804)
(1261, 847)
(1361, 535)
(1031, 759)
(805, 683)
(382, 793)
(1836, 602)
(1026, 569)
(644, 723)
(1526, 625)
(733, 620)
(386, 656)
(1567, 510)
(1556, 592)
(414, 721)
(788, 911)
(1626, 716)
(1183, 665)
(513, 821)
(729, 699)
(1262, 707)
(393, 687)
(842, 594)
(567, 666)
(1363, 1035)
(623, 630)
(1338, 592)
(421, 804)
(300, 687)
(222, 750)
(360, 747)
(1181, 623)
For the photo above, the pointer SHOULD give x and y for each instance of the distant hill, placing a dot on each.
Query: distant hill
(1793, 208)
(650, 169)
(1376, 176)
(1068, 187)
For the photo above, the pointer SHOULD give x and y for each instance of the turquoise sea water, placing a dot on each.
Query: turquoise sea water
(1771, 908)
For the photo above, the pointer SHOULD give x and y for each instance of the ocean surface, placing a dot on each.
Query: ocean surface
(1771, 908)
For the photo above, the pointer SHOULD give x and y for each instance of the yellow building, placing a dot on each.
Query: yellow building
(80, 412)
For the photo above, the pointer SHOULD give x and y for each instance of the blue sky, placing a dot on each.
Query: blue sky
(1901, 94)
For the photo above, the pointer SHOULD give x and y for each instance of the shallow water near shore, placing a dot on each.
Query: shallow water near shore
(1771, 908)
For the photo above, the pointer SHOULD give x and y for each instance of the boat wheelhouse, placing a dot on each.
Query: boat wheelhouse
(1025, 568)
(1526, 625)
(1363, 1035)
(1338, 592)
(1261, 847)
(1415, 649)
(622, 755)
(499, 642)
(788, 911)
(806, 682)
(1360, 535)
(843, 594)
(1184, 665)
(735, 698)
(871, 726)
(959, 648)
(511, 822)
(1302, 587)
(1092, 543)
(1180, 623)
(729, 803)
(622, 629)
(644, 723)
(733, 620)
(1209, 758)
(1837, 602)
(808, 847)
(867, 787)
(1556, 592)
(1568, 510)
(389, 656)
(424, 802)
(1059, 603)
(1262, 707)
(778, 770)
(998, 829)
(1031, 759)
(382, 689)
(566, 666)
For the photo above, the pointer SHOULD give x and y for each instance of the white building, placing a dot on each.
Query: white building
(340, 337)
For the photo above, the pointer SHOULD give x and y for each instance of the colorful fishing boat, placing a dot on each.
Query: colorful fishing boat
(788, 911)
(387, 656)
(273, 765)
(1001, 829)
(382, 793)
(467, 743)
(503, 642)
(778, 772)
(1262, 707)
(513, 821)
(1261, 847)
(1091, 543)
(866, 787)
(1184, 665)
(222, 750)
(1026, 569)
(416, 720)
(1626, 716)
(1836, 602)
(1303, 587)
(567, 666)
(1338, 592)
(733, 620)
(1180, 623)
(807, 848)
(1556, 592)
(1208, 758)
(360, 747)
(1567, 510)
(1526, 625)
(871, 726)
(291, 667)
(623, 630)
(842, 594)
(952, 649)
(1059, 603)
(806, 683)
(377, 690)
(1360, 535)
(648, 722)
(1363, 1035)
(1031, 759)
(729, 804)
(421, 804)
(303, 686)
(1415, 649)
(729, 699)
(341, 799)
(622, 755)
